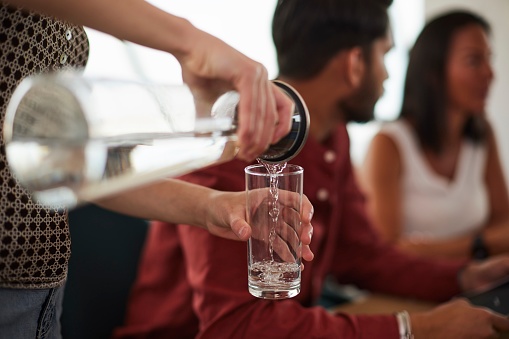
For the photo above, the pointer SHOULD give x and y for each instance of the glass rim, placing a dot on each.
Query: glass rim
(289, 170)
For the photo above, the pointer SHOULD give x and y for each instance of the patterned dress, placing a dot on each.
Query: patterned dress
(34, 240)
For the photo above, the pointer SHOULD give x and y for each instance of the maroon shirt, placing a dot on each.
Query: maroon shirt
(189, 277)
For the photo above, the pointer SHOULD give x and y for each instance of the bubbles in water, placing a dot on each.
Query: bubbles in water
(273, 170)
(275, 273)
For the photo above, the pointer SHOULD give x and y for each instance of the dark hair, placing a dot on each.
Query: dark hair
(424, 96)
(308, 33)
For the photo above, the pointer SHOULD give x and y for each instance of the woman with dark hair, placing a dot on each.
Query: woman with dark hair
(434, 176)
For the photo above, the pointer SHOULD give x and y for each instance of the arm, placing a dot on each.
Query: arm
(496, 232)
(382, 172)
(381, 175)
(221, 213)
(133, 20)
(377, 265)
(458, 319)
(209, 65)
(176, 201)
(217, 273)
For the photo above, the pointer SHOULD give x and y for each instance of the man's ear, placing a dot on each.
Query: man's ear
(355, 66)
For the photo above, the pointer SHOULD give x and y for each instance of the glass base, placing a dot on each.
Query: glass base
(273, 294)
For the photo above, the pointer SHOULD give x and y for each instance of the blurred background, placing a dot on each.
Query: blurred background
(107, 245)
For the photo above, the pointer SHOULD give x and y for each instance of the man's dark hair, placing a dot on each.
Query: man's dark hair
(308, 33)
(425, 90)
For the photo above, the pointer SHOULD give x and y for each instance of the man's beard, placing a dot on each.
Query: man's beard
(360, 107)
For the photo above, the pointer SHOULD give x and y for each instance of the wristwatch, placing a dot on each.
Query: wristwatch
(479, 250)
(404, 325)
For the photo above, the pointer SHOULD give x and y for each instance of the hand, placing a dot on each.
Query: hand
(458, 319)
(290, 224)
(479, 274)
(227, 218)
(212, 68)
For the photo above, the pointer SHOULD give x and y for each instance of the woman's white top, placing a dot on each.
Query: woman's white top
(433, 206)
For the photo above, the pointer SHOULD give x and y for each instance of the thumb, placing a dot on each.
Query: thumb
(500, 323)
(241, 229)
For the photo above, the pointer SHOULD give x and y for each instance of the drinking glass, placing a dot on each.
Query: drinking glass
(274, 197)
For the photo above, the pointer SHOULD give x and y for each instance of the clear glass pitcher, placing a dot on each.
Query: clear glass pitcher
(71, 139)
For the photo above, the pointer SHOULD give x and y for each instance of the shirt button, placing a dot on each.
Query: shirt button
(63, 58)
(322, 194)
(329, 157)
(68, 34)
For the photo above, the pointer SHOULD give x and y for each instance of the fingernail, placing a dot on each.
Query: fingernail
(242, 232)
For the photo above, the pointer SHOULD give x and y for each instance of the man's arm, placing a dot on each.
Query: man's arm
(217, 272)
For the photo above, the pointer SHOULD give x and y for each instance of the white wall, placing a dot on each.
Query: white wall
(245, 25)
(497, 13)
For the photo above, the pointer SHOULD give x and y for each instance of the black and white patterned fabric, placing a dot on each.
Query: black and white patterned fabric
(34, 240)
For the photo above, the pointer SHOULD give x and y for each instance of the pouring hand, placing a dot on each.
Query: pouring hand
(211, 67)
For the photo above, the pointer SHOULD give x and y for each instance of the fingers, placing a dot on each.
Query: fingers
(292, 218)
(290, 227)
(283, 247)
(293, 200)
(500, 323)
(290, 199)
(265, 114)
(294, 224)
(479, 274)
(284, 251)
(307, 211)
(257, 114)
(306, 234)
(307, 254)
(285, 239)
(285, 108)
(264, 111)
(288, 234)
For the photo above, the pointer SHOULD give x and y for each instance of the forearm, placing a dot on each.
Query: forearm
(405, 275)
(285, 320)
(133, 20)
(495, 236)
(223, 300)
(452, 248)
(172, 201)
